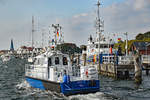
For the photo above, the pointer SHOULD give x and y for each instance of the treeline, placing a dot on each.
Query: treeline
(144, 37)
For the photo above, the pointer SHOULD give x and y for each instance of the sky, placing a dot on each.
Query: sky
(77, 18)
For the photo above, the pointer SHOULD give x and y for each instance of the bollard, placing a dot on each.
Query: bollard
(138, 70)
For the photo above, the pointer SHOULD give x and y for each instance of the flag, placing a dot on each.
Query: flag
(57, 34)
(110, 50)
(94, 58)
(119, 39)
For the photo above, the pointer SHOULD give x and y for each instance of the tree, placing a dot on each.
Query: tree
(140, 36)
(68, 48)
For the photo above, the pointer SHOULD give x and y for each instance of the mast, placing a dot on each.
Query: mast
(55, 32)
(42, 38)
(98, 29)
(58, 32)
(32, 35)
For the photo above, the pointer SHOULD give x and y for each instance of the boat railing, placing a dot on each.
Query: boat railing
(145, 59)
(125, 60)
(36, 71)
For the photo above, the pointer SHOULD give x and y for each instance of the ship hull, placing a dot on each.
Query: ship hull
(70, 88)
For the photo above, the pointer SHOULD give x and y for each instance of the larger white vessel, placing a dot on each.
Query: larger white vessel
(100, 53)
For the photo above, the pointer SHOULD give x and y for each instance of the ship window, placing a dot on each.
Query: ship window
(101, 46)
(49, 62)
(65, 61)
(56, 60)
(96, 45)
(105, 46)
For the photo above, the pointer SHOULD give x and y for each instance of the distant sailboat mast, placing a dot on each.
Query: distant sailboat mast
(32, 35)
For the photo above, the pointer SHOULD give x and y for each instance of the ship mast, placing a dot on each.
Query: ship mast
(58, 32)
(42, 38)
(98, 29)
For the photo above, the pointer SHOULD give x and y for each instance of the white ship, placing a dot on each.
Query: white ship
(100, 53)
(54, 71)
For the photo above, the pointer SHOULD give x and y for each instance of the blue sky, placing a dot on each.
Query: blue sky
(110, 2)
(76, 16)
(45, 7)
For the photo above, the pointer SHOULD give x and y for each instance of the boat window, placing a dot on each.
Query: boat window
(65, 61)
(56, 60)
(49, 62)
(96, 45)
(101, 46)
(37, 62)
(105, 46)
(105, 59)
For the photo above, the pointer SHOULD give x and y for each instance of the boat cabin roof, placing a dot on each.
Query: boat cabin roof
(52, 58)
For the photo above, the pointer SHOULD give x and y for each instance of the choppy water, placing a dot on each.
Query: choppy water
(14, 87)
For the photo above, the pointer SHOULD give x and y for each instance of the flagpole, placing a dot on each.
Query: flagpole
(126, 43)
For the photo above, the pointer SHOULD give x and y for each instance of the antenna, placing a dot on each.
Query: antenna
(99, 21)
(42, 38)
(98, 17)
(49, 38)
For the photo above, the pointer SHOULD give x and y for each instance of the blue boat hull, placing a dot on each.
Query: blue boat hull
(67, 88)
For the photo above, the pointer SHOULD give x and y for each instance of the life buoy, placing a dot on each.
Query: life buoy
(86, 73)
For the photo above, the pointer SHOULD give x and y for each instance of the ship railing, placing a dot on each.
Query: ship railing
(145, 59)
(36, 71)
(125, 60)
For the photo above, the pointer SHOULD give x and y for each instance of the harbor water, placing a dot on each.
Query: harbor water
(14, 87)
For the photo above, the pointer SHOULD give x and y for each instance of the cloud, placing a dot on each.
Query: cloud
(78, 28)
(141, 4)
(130, 16)
(1, 1)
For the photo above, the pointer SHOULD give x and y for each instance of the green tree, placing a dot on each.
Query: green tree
(68, 48)
(140, 36)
